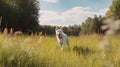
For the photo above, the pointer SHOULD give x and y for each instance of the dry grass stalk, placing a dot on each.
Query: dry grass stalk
(40, 34)
(17, 33)
(36, 33)
(11, 31)
(39, 40)
(5, 32)
(31, 34)
(112, 26)
(28, 40)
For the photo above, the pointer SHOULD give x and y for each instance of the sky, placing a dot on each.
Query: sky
(70, 12)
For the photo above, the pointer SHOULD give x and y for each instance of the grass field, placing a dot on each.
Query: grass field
(37, 51)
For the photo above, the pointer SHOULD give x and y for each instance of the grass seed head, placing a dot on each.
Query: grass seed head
(5, 32)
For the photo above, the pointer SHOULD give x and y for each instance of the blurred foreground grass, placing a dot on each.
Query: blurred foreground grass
(43, 51)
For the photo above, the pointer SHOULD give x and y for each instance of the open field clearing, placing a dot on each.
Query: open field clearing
(44, 51)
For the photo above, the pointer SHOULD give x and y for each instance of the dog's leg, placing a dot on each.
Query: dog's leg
(60, 44)
(62, 47)
(67, 42)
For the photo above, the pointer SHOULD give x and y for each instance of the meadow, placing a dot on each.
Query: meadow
(44, 51)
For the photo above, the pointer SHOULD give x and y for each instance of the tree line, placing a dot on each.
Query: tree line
(89, 26)
(71, 30)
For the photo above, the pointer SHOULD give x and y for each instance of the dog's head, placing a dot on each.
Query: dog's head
(59, 32)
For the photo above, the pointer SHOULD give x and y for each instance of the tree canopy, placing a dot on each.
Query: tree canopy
(22, 14)
(114, 10)
(92, 25)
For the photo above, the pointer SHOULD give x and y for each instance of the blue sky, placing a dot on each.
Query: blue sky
(70, 12)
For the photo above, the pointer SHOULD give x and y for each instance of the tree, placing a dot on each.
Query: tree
(22, 14)
(114, 10)
(92, 25)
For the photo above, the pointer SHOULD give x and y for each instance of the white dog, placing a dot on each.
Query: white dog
(62, 38)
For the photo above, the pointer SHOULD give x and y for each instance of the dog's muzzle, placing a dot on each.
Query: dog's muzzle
(60, 36)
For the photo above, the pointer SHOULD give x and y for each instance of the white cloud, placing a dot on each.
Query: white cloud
(51, 1)
(49, 17)
(103, 11)
(72, 16)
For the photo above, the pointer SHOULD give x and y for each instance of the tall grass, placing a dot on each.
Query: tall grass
(37, 51)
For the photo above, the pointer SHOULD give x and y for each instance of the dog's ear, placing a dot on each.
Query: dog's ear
(56, 28)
